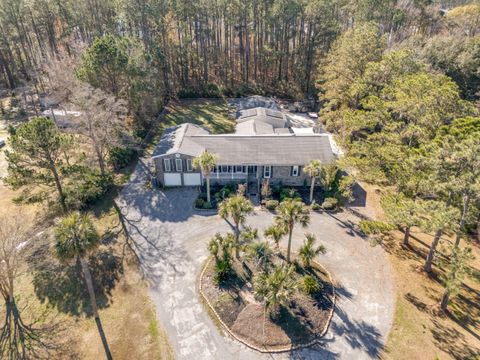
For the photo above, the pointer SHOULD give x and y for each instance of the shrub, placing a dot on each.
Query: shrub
(207, 205)
(265, 190)
(188, 92)
(271, 204)
(316, 206)
(330, 204)
(212, 91)
(199, 203)
(222, 271)
(310, 285)
(345, 189)
(369, 227)
(87, 188)
(119, 157)
(203, 196)
(223, 193)
(289, 193)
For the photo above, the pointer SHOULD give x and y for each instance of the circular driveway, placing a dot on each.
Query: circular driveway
(170, 239)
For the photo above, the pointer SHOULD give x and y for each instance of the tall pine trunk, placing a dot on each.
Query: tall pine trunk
(431, 253)
(406, 236)
(466, 202)
(58, 185)
(445, 300)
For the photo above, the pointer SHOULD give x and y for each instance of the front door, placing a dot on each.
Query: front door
(252, 171)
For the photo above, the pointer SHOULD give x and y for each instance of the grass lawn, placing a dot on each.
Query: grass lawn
(207, 112)
(56, 293)
(418, 331)
(211, 113)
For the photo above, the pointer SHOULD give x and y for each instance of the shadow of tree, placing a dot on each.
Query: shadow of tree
(298, 332)
(465, 310)
(358, 334)
(63, 285)
(453, 342)
(343, 292)
(319, 351)
(415, 301)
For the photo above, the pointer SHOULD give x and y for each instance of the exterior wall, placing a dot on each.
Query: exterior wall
(160, 170)
(280, 174)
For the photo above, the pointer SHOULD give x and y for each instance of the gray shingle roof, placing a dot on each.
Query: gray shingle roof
(177, 139)
(252, 127)
(273, 117)
(267, 149)
(262, 137)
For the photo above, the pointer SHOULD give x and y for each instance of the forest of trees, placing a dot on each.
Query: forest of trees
(253, 46)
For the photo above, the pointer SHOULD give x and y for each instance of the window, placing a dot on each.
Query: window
(178, 165)
(244, 169)
(238, 169)
(267, 172)
(189, 165)
(166, 165)
(224, 169)
(295, 170)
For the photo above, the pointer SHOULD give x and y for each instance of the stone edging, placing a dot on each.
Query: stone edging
(266, 349)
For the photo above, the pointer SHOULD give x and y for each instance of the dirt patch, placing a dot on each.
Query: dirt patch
(299, 324)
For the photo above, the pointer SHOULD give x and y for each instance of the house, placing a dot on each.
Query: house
(264, 146)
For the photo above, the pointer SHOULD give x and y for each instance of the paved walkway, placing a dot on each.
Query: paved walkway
(171, 240)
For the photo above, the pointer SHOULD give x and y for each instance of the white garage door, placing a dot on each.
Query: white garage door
(192, 179)
(172, 179)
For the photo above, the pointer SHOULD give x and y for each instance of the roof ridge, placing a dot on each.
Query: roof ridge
(274, 135)
(183, 135)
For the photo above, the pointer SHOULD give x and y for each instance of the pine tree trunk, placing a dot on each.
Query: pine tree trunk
(93, 300)
(466, 202)
(59, 187)
(431, 253)
(445, 300)
(406, 236)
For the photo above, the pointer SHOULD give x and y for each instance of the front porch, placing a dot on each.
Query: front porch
(247, 174)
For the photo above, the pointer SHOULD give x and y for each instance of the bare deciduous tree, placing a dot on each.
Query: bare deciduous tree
(100, 117)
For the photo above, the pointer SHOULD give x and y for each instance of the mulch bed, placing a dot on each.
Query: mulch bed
(298, 324)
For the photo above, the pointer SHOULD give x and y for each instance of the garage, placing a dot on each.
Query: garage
(193, 179)
(171, 179)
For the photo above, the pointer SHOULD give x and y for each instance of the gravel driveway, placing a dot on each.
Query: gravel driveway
(171, 241)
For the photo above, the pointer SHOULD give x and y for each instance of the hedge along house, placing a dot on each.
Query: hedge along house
(264, 146)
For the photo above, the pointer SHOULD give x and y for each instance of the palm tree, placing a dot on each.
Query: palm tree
(75, 237)
(206, 162)
(275, 288)
(220, 246)
(237, 208)
(308, 251)
(313, 169)
(261, 253)
(328, 175)
(289, 213)
(275, 233)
